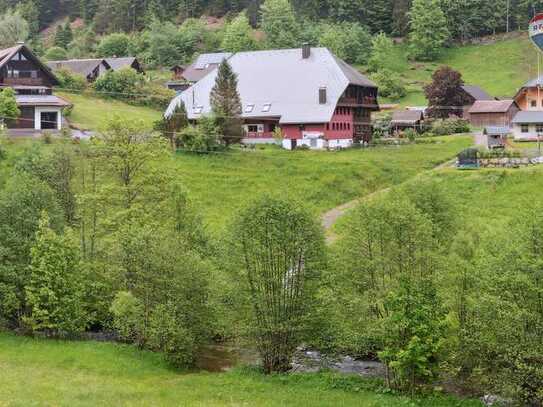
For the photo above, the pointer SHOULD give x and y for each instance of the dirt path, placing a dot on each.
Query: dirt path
(330, 218)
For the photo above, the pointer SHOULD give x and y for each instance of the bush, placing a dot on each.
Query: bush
(168, 335)
(114, 45)
(381, 126)
(390, 84)
(444, 127)
(70, 80)
(200, 138)
(56, 54)
(127, 316)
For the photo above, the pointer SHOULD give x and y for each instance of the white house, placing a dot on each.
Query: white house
(527, 125)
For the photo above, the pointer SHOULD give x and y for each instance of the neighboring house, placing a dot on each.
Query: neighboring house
(204, 64)
(178, 83)
(90, 69)
(124, 62)
(530, 95)
(32, 81)
(495, 137)
(528, 125)
(473, 94)
(316, 99)
(492, 113)
(406, 119)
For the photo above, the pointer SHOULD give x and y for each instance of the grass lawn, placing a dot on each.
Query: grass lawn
(500, 68)
(92, 113)
(220, 183)
(57, 373)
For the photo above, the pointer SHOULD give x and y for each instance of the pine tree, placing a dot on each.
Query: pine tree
(428, 29)
(226, 104)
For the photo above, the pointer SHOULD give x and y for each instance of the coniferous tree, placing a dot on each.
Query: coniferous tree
(226, 104)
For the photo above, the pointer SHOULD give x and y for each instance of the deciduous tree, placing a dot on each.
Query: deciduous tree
(445, 95)
(429, 31)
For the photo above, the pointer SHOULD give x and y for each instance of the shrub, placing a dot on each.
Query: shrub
(114, 45)
(390, 84)
(127, 313)
(410, 134)
(47, 137)
(381, 126)
(70, 80)
(168, 335)
(56, 54)
(444, 127)
(200, 138)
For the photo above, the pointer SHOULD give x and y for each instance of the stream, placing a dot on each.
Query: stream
(221, 358)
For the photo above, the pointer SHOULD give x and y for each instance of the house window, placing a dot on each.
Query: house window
(327, 126)
(533, 103)
(249, 108)
(198, 109)
(252, 128)
(524, 128)
(266, 108)
(313, 142)
(539, 128)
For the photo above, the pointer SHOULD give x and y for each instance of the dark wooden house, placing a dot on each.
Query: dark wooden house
(32, 82)
(406, 119)
(90, 69)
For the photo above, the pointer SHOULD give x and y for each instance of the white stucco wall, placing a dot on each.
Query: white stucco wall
(516, 130)
(259, 141)
(319, 144)
(47, 109)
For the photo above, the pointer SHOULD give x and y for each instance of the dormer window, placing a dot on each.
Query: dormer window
(249, 108)
(198, 109)
(266, 108)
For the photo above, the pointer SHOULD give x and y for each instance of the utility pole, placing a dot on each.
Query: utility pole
(507, 23)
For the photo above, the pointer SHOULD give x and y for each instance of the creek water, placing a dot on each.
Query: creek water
(221, 358)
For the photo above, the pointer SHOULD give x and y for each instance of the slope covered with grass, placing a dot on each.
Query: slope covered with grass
(220, 184)
(499, 66)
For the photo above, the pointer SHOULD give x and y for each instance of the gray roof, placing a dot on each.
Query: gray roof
(204, 64)
(477, 93)
(83, 67)
(40, 100)
(279, 83)
(120, 63)
(407, 116)
(528, 117)
(496, 130)
(534, 82)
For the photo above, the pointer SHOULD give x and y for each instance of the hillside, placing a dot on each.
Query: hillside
(498, 65)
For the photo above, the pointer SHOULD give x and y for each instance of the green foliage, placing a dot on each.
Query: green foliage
(202, 137)
(238, 35)
(56, 54)
(428, 29)
(127, 314)
(71, 81)
(280, 25)
(63, 36)
(8, 106)
(349, 41)
(281, 249)
(54, 290)
(449, 126)
(13, 28)
(390, 84)
(114, 45)
(416, 331)
(382, 53)
(226, 104)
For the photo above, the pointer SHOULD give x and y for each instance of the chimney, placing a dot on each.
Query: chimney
(306, 50)
(322, 95)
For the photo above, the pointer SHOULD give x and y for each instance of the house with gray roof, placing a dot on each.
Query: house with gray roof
(90, 69)
(204, 64)
(406, 119)
(32, 82)
(527, 125)
(314, 98)
(117, 63)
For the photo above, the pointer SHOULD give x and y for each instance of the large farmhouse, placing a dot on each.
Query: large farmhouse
(92, 69)
(32, 81)
(316, 99)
